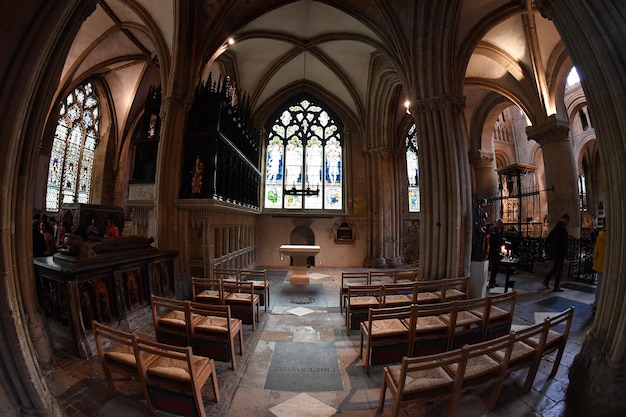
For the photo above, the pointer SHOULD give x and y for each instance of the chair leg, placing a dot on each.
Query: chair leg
(231, 345)
(198, 400)
(557, 361)
(216, 388)
(495, 394)
(532, 373)
(383, 392)
(108, 377)
(241, 341)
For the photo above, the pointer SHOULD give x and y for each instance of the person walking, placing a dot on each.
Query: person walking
(496, 239)
(556, 247)
(598, 263)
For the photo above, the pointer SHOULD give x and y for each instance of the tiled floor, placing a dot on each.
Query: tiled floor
(317, 327)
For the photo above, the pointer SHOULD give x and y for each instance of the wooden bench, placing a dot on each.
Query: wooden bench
(213, 331)
(172, 377)
(385, 334)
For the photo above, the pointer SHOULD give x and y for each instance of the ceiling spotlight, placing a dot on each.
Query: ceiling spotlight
(231, 41)
(407, 105)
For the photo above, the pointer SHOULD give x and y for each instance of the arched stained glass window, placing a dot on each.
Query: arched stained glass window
(412, 170)
(304, 160)
(75, 140)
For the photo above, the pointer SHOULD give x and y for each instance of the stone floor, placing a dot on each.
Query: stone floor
(301, 362)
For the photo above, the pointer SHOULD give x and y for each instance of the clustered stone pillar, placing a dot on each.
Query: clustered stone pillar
(597, 377)
(486, 179)
(445, 189)
(383, 213)
(560, 170)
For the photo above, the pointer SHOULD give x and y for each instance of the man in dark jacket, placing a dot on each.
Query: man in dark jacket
(496, 240)
(556, 247)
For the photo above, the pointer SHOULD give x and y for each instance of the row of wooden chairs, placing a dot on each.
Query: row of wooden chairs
(391, 333)
(349, 278)
(209, 329)
(239, 295)
(360, 298)
(449, 374)
(171, 377)
(258, 277)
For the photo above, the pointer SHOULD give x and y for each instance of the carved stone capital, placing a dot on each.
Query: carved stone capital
(481, 159)
(445, 101)
(546, 8)
(551, 130)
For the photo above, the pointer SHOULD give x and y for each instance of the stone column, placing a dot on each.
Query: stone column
(593, 33)
(486, 179)
(170, 220)
(560, 170)
(384, 216)
(445, 188)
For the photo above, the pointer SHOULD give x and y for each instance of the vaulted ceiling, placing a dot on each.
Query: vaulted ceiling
(504, 49)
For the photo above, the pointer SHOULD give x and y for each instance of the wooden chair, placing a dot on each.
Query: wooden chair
(406, 275)
(551, 340)
(348, 279)
(212, 331)
(116, 351)
(242, 301)
(226, 274)
(523, 354)
(480, 365)
(360, 299)
(429, 292)
(386, 335)
(172, 378)
(170, 321)
(399, 294)
(429, 334)
(455, 289)
(207, 290)
(468, 325)
(261, 284)
(419, 379)
(499, 314)
(381, 276)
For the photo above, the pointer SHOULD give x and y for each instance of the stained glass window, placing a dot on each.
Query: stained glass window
(73, 147)
(304, 160)
(412, 170)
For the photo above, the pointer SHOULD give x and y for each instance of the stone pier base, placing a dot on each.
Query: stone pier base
(595, 388)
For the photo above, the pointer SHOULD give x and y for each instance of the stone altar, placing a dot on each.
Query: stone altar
(299, 255)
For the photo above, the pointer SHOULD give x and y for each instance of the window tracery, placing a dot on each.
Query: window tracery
(304, 153)
(73, 147)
